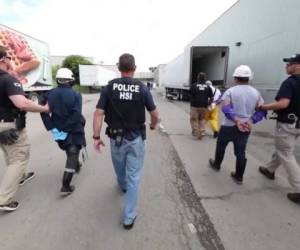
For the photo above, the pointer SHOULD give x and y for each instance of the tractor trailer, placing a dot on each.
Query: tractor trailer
(257, 33)
(179, 74)
(95, 75)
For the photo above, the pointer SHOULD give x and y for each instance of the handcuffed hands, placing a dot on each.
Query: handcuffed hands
(244, 126)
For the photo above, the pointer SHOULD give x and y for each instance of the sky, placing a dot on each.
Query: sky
(154, 31)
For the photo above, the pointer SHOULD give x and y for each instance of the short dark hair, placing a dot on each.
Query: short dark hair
(2, 51)
(201, 77)
(242, 79)
(126, 63)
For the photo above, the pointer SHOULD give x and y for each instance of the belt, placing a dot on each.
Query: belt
(288, 118)
(7, 120)
(295, 123)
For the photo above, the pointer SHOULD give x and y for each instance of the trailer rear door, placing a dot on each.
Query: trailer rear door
(211, 60)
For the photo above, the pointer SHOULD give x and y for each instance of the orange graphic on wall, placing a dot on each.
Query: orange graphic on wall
(23, 59)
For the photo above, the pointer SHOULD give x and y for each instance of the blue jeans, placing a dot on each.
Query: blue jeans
(128, 162)
(231, 134)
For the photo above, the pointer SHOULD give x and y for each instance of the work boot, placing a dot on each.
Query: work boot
(266, 172)
(294, 197)
(236, 179)
(240, 166)
(67, 190)
(217, 161)
(78, 168)
(67, 178)
(214, 165)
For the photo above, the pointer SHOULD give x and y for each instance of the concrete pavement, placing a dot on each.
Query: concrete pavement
(89, 219)
(183, 203)
(255, 215)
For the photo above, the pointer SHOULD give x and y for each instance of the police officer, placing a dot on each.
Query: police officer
(66, 123)
(122, 103)
(238, 105)
(287, 107)
(13, 136)
(201, 96)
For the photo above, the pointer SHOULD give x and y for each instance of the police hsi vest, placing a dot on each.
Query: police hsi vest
(200, 94)
(125, 108)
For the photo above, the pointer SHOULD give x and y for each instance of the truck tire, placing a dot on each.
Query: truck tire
(168, 95)
(180, 98)
(33, 96)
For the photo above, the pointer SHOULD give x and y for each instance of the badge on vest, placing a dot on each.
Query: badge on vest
(126, 90)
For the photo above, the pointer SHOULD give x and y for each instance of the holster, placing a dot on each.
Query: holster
(20, 121)
(298, 124)
(286, 118)
(116, 134)
(143, 131)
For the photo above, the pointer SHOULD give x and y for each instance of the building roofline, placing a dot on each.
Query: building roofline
(213, 22)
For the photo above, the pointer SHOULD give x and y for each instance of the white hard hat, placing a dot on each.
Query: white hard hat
(209, 83)
(243, 71)
(64, 73)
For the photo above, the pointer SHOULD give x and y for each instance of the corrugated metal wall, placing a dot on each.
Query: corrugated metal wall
(268, 31)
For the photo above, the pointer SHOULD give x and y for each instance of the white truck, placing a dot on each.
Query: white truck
(178, 75)
(29, 61)
(95, 75)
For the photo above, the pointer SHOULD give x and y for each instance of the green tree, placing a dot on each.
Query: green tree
(54, 71)
(72, 62)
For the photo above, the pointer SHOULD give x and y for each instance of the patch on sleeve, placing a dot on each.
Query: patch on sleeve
(18, 85)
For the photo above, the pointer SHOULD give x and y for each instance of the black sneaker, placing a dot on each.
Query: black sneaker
(294, 197)
(213, 165)
(264, 171)
(129, 226)
(237, 180)
(26, 177)
(12, 206)
(67, 190)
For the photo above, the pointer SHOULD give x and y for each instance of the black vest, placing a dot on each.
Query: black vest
(200, 95)
(125, 108)
(294, 106)
(7, 109)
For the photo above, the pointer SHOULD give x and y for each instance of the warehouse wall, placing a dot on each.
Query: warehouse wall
(268, 31)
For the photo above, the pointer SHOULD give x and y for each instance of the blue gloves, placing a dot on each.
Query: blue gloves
(258, 116)
(58, 135)
(229, 112)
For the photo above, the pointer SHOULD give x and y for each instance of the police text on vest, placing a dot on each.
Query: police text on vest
(126, 90)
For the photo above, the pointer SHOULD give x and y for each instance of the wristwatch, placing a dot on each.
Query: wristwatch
(96, 137)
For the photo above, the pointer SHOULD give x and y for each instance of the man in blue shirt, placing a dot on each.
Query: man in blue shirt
(122, 103)
(66, 123)
(287, 107)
